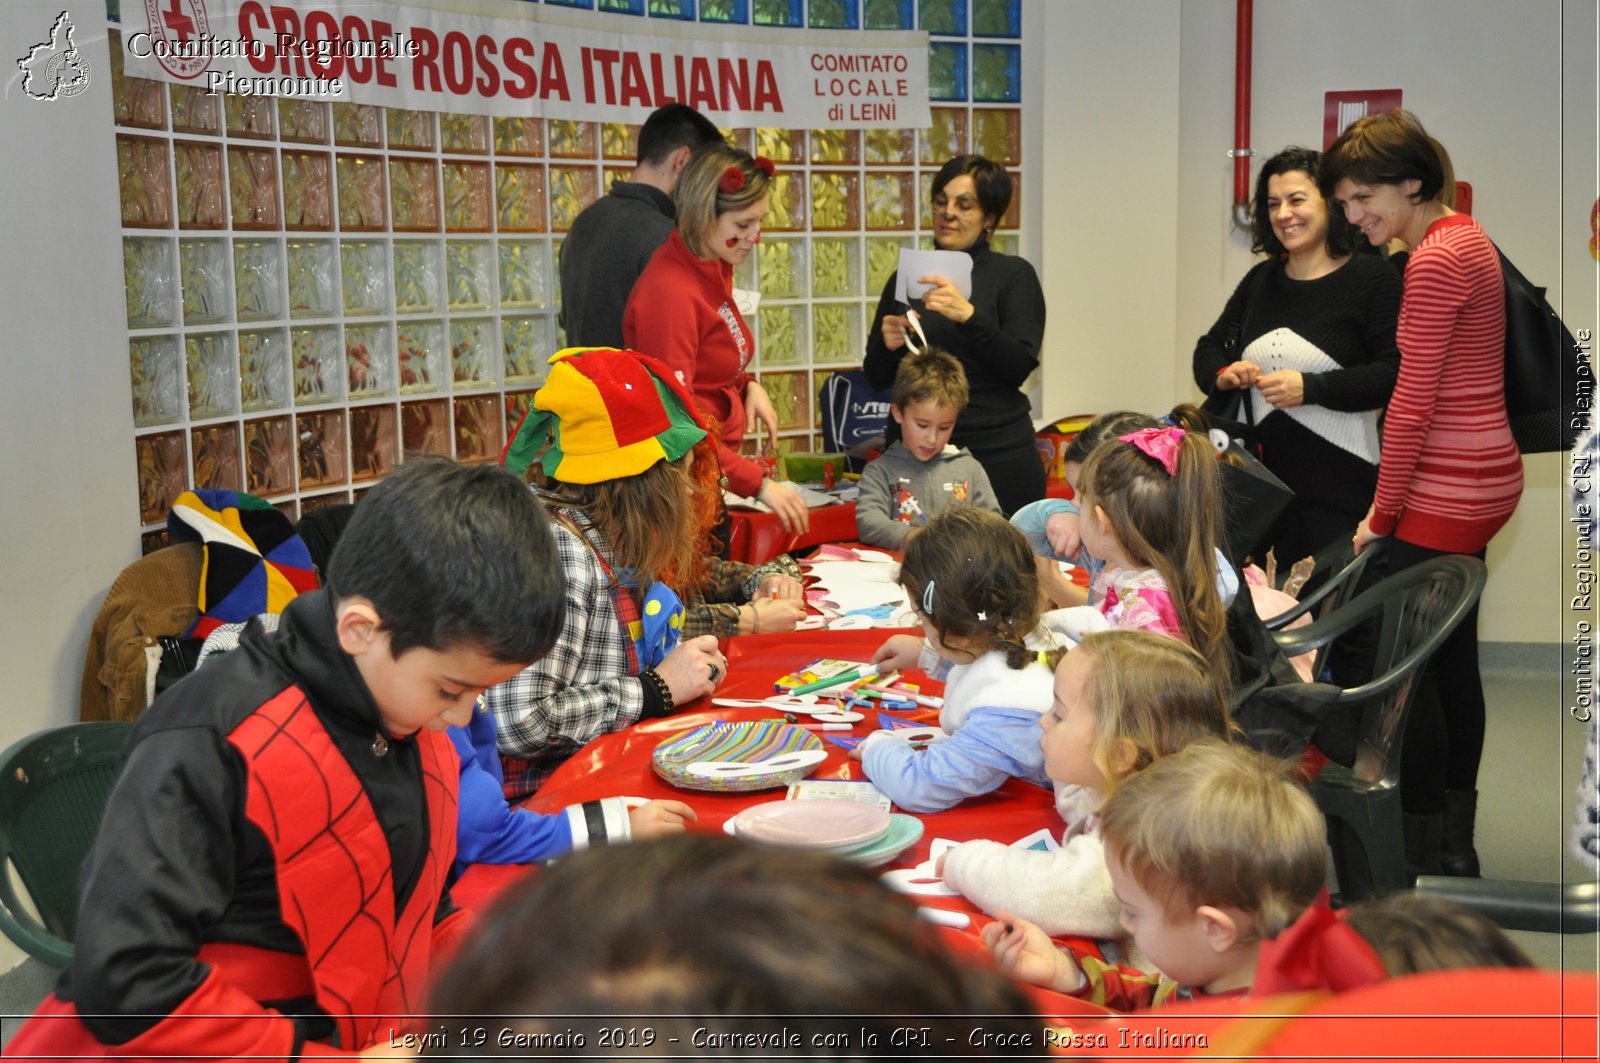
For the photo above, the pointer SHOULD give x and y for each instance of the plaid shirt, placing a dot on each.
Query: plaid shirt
(583, 688)
(728, 585)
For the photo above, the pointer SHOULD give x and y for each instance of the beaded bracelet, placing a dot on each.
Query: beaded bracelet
(650, 675)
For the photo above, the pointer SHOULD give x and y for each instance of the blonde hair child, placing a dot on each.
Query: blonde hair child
(1122, 700)
(1211, 851)
(971, 581)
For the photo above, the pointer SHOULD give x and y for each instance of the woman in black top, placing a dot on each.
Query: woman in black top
(1310, 333)
(995, 334)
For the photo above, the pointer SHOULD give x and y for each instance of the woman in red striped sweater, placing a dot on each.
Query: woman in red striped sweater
(1450, 474)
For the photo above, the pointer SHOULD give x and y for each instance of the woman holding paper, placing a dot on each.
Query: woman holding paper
(993, 324)
(682, 311)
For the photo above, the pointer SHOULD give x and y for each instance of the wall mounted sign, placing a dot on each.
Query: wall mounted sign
(526, 60)
(1339, 109)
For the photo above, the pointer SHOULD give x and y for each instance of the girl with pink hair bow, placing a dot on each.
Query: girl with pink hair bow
(1150, 507)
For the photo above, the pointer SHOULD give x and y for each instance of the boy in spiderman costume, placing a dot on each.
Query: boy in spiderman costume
(269, 880)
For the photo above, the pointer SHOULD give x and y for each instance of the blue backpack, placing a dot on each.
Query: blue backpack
(854, 414)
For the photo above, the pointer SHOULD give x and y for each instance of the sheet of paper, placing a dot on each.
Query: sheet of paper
(845, 586)
(747, 301)
(811, 496)
(914, 263)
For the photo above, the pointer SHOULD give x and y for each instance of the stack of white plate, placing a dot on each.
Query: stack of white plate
(849, 829)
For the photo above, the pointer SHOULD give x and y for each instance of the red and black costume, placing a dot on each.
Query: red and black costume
(269, 878)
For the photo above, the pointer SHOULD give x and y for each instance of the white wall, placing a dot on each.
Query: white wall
(1139, 252)
(66, 422)
(1108, 78)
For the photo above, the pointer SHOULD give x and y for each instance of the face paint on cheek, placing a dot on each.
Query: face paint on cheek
(733, 241)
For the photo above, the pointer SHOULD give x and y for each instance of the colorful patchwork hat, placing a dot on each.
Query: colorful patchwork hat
(604, 414)
(254, 560)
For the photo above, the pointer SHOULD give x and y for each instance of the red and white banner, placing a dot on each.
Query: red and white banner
(510, 59)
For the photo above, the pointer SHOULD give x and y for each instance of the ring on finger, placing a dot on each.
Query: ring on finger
(715, 672)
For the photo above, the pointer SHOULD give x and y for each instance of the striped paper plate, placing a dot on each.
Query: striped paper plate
(751, 742)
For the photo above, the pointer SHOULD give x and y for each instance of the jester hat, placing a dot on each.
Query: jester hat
(604, 414)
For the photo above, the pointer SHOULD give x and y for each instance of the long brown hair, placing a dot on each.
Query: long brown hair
(646, 520)
(1168, 522)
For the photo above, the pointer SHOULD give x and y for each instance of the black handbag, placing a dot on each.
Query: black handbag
(1549, 382)
(1252, 500)
(1234, 413)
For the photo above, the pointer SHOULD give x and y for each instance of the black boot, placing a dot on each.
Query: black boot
(1458, 857)
(1423, 837)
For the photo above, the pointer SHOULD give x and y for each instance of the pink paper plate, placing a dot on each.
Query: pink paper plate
(812, 823)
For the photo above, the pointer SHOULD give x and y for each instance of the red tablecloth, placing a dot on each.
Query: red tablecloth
(1451, 1015)
(619, 764)
(758, 537)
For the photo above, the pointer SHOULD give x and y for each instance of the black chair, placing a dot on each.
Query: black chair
(1544, 907)
(1416, 609)
(1335, 579)
(53, 790)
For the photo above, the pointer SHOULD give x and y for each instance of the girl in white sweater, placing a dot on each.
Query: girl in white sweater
(1122, 699)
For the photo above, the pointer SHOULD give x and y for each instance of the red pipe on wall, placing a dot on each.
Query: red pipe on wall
(1241, 152)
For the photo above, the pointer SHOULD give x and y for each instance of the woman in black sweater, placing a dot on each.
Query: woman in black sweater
(1310, 333)
(995, 334)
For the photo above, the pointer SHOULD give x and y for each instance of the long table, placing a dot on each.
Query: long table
(756, 537)
(619, 764)
(1522, 1013)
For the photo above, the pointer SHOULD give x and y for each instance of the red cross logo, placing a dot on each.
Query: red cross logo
(177, 21)
(182, 23)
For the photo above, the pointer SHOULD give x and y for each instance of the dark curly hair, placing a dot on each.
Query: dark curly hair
(985, 588)
(1342, 237)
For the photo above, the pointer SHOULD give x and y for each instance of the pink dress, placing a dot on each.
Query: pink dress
(1138, 600)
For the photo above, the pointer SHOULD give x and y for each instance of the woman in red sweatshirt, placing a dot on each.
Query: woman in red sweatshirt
(682, 311)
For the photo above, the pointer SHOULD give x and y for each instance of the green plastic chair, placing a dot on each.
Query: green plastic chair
(53, 790)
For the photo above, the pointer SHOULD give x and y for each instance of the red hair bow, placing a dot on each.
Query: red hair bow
(765, 165)
(1317, 951)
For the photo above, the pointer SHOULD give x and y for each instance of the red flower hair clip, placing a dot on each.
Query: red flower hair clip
(733, 178)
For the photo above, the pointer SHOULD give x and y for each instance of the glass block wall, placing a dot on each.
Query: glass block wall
(317, 291)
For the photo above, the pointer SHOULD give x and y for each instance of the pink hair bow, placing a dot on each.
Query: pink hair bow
(1162, 444)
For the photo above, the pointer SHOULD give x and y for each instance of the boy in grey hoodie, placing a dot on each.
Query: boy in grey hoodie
(921, 475)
